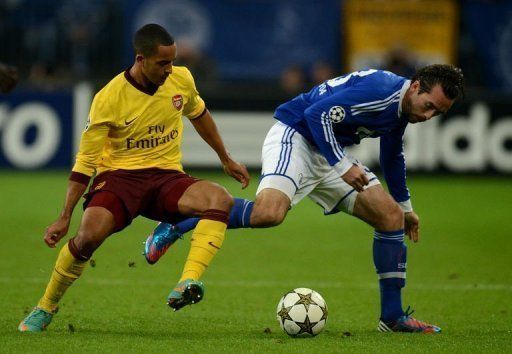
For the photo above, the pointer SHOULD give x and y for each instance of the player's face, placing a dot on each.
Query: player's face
(422, 107)
(158, 66)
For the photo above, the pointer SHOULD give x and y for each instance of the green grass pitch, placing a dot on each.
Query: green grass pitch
(459, 277)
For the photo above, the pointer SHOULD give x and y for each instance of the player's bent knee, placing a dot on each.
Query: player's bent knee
(393, 219)
(221, 199)
(83, 245)
(92, 233)
(277, 218)
(268, 219)
(267, 216)
(270, 208)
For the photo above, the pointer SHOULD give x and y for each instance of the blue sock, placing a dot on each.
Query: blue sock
(187, 225)
(390, 259)
(239, 217)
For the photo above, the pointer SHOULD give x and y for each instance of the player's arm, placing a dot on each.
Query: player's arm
(59, 228)
(88, 157)
(204, 124)
(320, 125)
(392, 162)
(207, 129)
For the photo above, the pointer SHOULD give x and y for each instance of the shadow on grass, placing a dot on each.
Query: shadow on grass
(215, 333)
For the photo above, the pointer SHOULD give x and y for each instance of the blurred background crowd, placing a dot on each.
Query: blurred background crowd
(272, 47)
(247, 57)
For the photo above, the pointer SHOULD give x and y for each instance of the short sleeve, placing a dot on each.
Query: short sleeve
(94, 137)
(195, 106)
(100, 113)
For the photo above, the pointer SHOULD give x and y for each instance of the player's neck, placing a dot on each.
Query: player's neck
(406, 103)
(139, 77)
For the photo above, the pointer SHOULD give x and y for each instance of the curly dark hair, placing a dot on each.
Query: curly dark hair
(449, 77)
(147, 39)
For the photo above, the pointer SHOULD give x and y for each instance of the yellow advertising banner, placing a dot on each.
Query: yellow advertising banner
(424, 29)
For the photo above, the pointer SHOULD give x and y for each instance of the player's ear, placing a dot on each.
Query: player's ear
(139, 58)
(415, 86)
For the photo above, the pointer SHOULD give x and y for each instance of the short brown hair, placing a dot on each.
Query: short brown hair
(147, 39)
(449, 77)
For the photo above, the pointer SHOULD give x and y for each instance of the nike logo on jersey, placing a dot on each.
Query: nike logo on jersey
(214, 246)
(128, 122)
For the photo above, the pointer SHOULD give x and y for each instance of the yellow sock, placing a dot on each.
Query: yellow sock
(206, 240)
(67, 270)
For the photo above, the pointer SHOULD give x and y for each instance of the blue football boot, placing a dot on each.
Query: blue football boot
(407, 323)
(162, 237)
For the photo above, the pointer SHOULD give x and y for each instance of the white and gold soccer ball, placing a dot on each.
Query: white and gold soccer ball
(302, 312)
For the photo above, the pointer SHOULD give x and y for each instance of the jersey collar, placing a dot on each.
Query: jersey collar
(150, 90)
(403, 90)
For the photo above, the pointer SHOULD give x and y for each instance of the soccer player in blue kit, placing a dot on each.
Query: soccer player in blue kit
(303, 155)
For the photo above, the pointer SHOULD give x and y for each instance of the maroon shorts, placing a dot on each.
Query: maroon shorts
(153, 193)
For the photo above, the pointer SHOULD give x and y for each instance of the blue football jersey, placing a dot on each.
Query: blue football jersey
(342, 111)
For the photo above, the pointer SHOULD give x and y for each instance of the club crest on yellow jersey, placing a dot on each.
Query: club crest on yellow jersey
(177, 102)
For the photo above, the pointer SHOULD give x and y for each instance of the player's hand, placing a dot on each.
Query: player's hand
(56, 231)
(356, 177)
(8, 78)
(238, 171)
(412, 226)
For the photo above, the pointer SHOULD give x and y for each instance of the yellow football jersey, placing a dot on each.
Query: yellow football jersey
(132, 128)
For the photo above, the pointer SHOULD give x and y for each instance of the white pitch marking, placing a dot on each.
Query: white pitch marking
(272, 284)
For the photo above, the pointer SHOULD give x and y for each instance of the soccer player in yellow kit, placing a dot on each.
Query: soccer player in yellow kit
(132, 142)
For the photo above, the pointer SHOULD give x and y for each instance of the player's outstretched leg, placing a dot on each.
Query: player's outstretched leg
(67, 269)
(97, 224)
(165, 235)
(206, 240)
(390, 258)
(378, 209)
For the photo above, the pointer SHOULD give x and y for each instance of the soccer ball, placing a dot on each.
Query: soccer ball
(302, 312)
